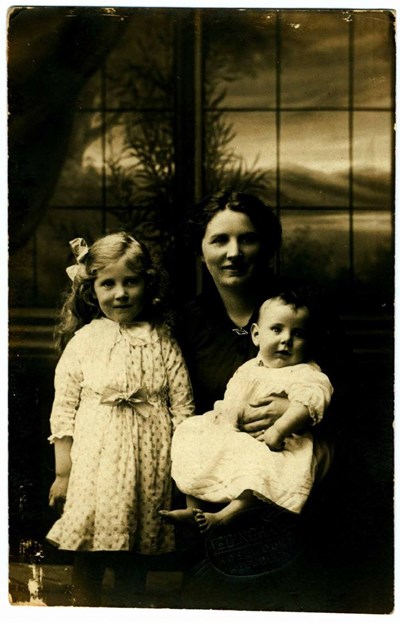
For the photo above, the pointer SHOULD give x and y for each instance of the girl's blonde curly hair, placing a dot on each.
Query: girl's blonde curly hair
(80, 303)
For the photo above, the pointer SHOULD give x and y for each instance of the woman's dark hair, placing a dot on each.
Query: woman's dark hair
(262, 217)
(80, 304)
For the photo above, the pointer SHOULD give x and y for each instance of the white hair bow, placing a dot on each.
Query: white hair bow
(79, 249)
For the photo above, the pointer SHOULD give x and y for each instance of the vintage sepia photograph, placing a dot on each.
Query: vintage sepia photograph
(199, 197)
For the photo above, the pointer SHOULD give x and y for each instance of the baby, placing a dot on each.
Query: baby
(213, 461)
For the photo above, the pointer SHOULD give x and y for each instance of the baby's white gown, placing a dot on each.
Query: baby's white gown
(213, 461)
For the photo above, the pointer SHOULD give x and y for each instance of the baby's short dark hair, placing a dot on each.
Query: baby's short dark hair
(291, 297)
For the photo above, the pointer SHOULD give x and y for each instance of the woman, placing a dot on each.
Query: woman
(236, 236)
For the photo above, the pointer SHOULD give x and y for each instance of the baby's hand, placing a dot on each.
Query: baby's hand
(274, 440)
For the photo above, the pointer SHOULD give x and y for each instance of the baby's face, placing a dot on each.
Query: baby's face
(281, 334)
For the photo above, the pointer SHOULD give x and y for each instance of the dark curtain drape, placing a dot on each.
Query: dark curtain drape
(52, 51)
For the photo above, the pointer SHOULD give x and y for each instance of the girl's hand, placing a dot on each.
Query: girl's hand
(274, 440)
(58, 493)
(262, 414)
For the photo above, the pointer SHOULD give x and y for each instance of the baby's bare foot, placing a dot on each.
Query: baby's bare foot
(205, 521)
(180, 515)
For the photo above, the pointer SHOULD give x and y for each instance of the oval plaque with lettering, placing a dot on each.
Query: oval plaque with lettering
(256, 541)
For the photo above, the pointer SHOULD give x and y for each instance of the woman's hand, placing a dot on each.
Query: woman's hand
(259, 415)
(58, 493)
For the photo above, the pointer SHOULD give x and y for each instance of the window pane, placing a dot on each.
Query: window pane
(314, 159)
(90, 96)
(139, 159)
(241, 152)
(139, 68)
(372, 153)
(80, 181)
(316, 245)
(373, 257)
(373, 58)
(314, 58)
(240, 58)
(142, 224)
(54, 253)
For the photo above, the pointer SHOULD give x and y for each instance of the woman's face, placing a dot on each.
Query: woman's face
(231, 249)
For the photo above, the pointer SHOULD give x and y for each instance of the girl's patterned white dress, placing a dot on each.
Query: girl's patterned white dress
(212, 460)
(120, 392)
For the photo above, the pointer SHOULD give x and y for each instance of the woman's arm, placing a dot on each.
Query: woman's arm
(255, 414)
(262, 413)
(58, 490)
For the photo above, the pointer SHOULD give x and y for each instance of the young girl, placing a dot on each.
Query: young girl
(213, 461)
(121, 388)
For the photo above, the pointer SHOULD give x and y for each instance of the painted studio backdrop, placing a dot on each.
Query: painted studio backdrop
(122, 118)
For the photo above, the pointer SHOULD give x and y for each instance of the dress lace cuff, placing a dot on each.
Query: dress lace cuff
(59, 435)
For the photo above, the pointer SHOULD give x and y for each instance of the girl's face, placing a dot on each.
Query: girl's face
(281, 334)
(231, 248)
(120, 292)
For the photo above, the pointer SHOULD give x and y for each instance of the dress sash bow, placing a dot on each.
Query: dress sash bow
(138, 399)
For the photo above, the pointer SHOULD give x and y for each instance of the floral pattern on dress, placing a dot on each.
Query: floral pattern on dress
(120, 476)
